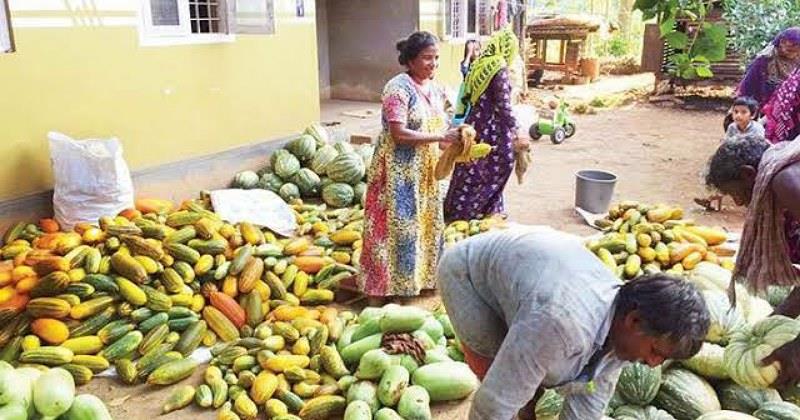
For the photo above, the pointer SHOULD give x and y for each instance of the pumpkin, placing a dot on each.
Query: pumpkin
(49, 225)
(708, 362)
(724, 319)
(303, 147)
(685, 395)
(324, 181)
(337, 195)
(347, 168)
(726, 415)
(286, 165)
(366, 152)
(308, 182)
(289, 192)
(777, 294)
(748, 347)
(245, 180)
(270, 181)
(638, 383)
(264, 170)
(277, 155)
(777, 410)
(319, 133)
(343, 147)
(733, 396)
(759, 309)
(322, 157)
(549, 405)
(360, 191)
(710, 276)
(632, 412)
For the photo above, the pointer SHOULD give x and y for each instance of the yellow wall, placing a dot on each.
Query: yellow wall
(164, 103)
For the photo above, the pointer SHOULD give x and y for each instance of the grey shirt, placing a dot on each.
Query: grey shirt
(556, 301)
(754, 128)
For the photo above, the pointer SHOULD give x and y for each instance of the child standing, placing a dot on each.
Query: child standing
(744, 109)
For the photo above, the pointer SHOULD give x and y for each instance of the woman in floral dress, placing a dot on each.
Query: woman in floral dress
(403, 212)
(476, 188)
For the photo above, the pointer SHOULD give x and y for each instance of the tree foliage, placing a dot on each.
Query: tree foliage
(695, 49)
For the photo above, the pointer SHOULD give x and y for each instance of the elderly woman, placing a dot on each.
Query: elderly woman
(766, 179)
(476, 189)
(772, 66)
(403, 211)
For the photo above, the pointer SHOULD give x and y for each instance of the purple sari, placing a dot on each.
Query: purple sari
(768, 70)
(476, 189)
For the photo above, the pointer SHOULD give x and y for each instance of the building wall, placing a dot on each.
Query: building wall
(362, 41)
(323, 49)
(79, 69)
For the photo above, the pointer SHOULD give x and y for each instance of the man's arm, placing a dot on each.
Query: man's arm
(590, 405)
(518, 369)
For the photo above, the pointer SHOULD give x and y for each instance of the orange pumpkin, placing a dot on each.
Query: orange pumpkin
(130, 214)
(49, 225)
(50, 330)
(16, 303)
(153, 205)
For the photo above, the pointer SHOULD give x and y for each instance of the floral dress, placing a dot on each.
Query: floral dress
(403, 211)
(476, 189)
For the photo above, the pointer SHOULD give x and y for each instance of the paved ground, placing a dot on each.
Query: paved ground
(657, 153)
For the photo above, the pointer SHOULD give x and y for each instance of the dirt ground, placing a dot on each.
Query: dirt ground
(657, 154)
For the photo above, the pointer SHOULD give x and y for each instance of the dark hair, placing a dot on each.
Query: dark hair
(727, 162)
(466, 47)
(410, 47)
(669, 307)
(747, 101)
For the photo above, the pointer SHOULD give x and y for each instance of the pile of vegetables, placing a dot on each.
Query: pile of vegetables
(310, 167)
(140, 291)
(144, 289)
(725, 380)
(641, 238)
(30, 393)
(388, 362)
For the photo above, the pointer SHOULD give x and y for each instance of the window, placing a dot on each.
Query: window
(171, 22)
(466, 18)
(205, 17)
(6, 37)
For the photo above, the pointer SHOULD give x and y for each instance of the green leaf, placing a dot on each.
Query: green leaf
(677, 40)
(644, 4)
(704, 72)
(667, 26)
(700, 59)
(689, 73)
(711, 43)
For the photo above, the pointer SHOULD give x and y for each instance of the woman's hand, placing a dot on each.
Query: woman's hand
(450, 136)
(788, 356)
(522, 144)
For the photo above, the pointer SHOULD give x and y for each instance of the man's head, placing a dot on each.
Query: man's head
(733, 168)
(744, 108)
(658, 317)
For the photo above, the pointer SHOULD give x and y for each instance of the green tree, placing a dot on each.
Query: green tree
(696, 50)
(754, 23)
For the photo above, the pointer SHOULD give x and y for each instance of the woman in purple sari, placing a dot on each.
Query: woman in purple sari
(476, 188)
(772, 66)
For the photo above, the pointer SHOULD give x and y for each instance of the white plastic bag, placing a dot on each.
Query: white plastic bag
(257, 206)
(91, 179)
